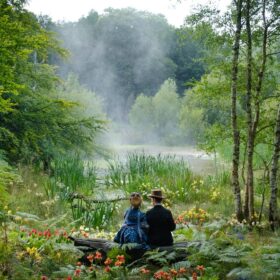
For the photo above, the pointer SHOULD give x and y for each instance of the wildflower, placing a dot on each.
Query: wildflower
(107, 268)
(118, 263)
(18, 218)
(200, 268)
(90, 268)
(182, 270)
(162, 275)
(69, 278)
(90, 258)
(77, 272)
(108, 261)
(173, 272)
(144, 270)
(44, 277)
(121, 258)
(79, 264)
(98, 255)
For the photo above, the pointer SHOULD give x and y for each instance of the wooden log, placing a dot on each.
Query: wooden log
(104, 246)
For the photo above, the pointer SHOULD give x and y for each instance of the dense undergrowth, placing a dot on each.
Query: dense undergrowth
(39, 211)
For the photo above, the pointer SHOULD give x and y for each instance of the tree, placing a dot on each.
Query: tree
(166, 112)
(253, 73)
(35, 122)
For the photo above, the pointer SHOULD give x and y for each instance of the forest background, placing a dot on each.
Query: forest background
(69, 89)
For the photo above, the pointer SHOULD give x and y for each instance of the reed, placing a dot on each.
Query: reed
(143, 172)
(71, 174)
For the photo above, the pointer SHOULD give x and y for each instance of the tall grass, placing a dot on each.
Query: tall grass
(71, 174)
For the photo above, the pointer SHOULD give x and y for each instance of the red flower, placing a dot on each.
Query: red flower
(107, 268)
(44, 277)
(47, 233)
(77, 272)
(69, 278)
(98, 255)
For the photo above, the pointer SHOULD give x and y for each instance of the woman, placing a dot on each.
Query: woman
(134, 228)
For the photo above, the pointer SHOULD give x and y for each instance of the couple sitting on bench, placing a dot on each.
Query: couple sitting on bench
(150, 230)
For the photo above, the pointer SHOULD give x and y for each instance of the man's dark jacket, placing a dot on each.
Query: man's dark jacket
(161, 224)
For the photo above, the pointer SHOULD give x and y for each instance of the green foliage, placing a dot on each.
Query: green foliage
(96, 215)
(36, 122)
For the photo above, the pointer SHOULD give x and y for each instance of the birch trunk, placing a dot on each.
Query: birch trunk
(250, 140)
(235, 129)
(273, 215)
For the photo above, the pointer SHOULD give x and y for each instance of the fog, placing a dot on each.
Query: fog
(124, 54)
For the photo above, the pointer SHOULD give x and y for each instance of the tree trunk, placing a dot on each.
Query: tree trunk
(249, 192)
(258, 95)
(235, 130)
(273, 215)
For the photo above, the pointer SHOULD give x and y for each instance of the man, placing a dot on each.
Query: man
(160, 222)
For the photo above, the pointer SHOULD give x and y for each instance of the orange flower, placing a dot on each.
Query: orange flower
(162, 275)
(118, 263)
(200, 268)
(108, 261)
(79, 263)
(98, 255)
(90, 258)
(121, 258)
(182, 270)
(107, 268)
(145, 271)
(173, 272)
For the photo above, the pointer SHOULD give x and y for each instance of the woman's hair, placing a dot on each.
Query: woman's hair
(135, 199)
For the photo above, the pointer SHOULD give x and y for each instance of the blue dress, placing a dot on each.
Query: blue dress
(133, 229)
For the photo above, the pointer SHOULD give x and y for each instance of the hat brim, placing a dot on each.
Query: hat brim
(156, 196)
